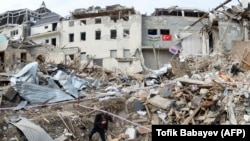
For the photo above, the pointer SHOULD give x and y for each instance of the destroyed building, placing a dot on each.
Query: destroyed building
(56, 97)
(125, 39)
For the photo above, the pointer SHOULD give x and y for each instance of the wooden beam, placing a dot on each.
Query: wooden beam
(188, 119)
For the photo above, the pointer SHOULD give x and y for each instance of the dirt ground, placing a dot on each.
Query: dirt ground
(81, 118)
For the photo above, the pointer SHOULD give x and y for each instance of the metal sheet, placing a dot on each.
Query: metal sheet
(27, 74)
(31, 131)
(37, 94)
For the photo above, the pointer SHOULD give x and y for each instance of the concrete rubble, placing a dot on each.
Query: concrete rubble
(63, 103)
(61, 100)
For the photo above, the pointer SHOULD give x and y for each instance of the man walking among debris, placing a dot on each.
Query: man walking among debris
(235, 69)
(100, 125)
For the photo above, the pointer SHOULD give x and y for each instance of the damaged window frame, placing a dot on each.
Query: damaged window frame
(126, 33)
(98, 20)
(83, 22)
(14, 32)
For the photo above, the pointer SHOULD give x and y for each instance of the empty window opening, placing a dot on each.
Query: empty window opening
(47, 41)
(2, 61)
(98, 35)
(113, 34)
(53, 41)
(125, 33)
(152, 31)
(71, 37)
(23, 57)
(98, 20)
(83, 22)
(164, 31)
(72, 56)
(54, 26)
(83, 36)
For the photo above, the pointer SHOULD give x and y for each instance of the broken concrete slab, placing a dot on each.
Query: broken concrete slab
(160, 102)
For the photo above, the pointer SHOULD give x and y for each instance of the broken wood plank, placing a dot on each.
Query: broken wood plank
(91, 112)
(60, 116)
(149, 114)
(188, 119)
(190, 81)
(139, 120)
(219, 84)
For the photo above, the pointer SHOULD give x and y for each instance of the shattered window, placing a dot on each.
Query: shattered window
(13, 33)
(83, 22)
(152, 31)
(113, 53)
(71, 37)
(98, 35)
(72, 56)
(113, 34)
(193, 14)
(83, 36)
(98, 20)
(125, 33)
(71, 23)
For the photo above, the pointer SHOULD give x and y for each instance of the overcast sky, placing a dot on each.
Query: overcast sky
(63, 7)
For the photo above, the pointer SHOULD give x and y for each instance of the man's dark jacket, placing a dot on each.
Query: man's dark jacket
(98, 120)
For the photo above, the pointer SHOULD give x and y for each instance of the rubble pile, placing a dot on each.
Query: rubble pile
(60, 102)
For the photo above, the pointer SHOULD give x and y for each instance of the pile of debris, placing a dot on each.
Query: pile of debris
(59, 102)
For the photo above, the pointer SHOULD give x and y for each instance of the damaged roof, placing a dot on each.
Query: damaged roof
(49, 18)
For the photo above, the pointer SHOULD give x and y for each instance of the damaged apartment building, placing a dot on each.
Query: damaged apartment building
(16, 49)
(117, 38)
(109, 37)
